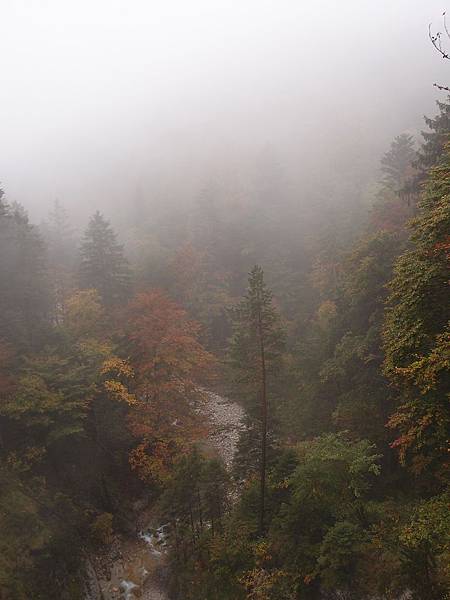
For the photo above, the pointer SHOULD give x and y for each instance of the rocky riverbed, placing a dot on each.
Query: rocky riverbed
(225, 420)
(135, 568)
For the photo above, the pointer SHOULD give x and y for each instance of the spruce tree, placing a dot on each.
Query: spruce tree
(255, 353)
(435, 139)
(103, 265)
(25, 301)
(396, 164)
(61, 246)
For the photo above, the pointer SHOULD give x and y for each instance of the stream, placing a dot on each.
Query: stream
(136, 568)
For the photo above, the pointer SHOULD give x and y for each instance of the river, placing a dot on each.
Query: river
(135, 568)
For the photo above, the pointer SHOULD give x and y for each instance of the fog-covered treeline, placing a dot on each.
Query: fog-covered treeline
(267, 238)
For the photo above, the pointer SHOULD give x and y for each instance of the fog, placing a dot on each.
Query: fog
(105, 100)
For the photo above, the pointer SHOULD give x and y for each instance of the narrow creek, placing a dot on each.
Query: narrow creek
(137, 567)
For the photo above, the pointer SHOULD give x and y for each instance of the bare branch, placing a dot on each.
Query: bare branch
(436, 41)
(443, 88)
(445, 25)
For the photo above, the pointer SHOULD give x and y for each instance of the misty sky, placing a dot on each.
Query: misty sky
(99, 97)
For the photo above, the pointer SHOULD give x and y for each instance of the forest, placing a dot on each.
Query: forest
(312, 342)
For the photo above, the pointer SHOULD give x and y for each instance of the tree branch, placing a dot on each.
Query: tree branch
(436, 41)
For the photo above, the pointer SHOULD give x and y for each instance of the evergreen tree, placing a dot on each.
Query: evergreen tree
(256, 348)
(3, 205)
(25, 301)
(58, 234)
(435, 140)
(416, 330)
(103, 265)
(396, 164)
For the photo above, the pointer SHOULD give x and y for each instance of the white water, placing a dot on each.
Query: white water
(137, 572)
(128, 587)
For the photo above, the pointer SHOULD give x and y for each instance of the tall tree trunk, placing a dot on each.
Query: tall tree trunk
(263, 393)
(200, 512)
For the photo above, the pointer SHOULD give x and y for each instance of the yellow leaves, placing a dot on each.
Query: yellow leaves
(262, 553)
(118, 391)
(263, 581)
(25, 460)
(151, 463)
(259, 583)
(119, 368)
(102, 528)
(84, 314)
(93, 351)
(284, 484)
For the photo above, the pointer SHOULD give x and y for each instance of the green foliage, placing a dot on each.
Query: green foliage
(254, 319)
(257, 331)
(416, 329)
(102, 528)
(255, 353)
(339, 552)
(194, 504)
(425, 543)
(332, 460)
(331, 513)
(103, 266)
(396, 164)
(25, 299)
(436, 137)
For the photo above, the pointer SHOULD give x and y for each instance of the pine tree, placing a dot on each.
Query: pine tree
(25, 301)
(396, 164)
(103, 265)
(435, 140)
(255, 353)
(58, 234)
(3, 205)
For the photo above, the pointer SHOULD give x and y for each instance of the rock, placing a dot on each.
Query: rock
(226, 424)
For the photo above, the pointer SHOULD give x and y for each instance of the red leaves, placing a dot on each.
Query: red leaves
(165, 347)
(170, 366)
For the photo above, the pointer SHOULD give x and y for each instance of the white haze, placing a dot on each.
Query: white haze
(101, 98)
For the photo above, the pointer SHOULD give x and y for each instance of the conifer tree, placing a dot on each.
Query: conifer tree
(256, 348)
(396, 164)
(25, 301)
(61, 247)
(436, 138)
(416, 331)
(103, 265)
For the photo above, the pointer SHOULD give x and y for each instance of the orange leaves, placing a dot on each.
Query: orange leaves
(168, 366)
(165, 350)
(152, 463)
(443, 247)
(263, 582)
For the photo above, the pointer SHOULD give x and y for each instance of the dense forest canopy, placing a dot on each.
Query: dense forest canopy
(309, 300)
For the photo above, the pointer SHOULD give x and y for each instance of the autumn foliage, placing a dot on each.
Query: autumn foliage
(170, 366)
